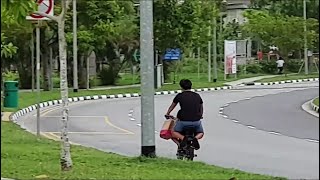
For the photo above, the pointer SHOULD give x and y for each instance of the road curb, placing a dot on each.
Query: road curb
(313, 106)
(14, 116)
(279, 82)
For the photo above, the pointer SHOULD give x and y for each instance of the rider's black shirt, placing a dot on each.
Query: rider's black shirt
(190, 103)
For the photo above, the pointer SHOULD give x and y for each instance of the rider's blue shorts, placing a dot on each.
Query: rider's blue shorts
(181, 124)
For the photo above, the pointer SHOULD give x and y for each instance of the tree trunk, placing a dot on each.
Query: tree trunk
(23, 66)
(82, 64)
(65, 159)
(45, 60)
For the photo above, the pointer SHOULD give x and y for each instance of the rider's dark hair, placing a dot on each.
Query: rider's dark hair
(185, 84)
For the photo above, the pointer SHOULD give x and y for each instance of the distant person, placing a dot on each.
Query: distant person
(280, 63)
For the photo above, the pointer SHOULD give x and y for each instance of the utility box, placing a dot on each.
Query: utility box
(11, 89)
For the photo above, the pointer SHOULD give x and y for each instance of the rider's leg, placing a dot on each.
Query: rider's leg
(199, 135)
(175, 141)
(199, 130)
(177, 135)
(178, 128)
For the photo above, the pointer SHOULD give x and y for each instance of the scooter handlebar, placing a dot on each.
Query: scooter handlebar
(169, 117)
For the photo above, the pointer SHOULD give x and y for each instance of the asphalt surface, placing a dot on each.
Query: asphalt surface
(114, 126)
(280, 113)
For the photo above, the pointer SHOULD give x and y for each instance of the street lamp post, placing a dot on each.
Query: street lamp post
(306, 69)
(75, 48)
(148, 147)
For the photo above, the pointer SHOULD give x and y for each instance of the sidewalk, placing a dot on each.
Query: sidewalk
(5, 116)
(248, 80)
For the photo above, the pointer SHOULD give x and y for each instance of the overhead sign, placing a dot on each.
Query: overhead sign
(172, 55)
(44, 6)
(230, 57)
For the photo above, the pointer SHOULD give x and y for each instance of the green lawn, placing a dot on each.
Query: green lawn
(285, 77)
(316, 101)
(24, 156)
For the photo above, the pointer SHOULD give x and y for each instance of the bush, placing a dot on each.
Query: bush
(107, 76)
(254, 68)
(268, 67)
(292, 65)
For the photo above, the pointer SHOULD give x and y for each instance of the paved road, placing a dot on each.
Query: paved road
(280, 113)
(114, 125)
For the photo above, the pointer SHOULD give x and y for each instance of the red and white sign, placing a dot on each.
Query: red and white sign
(230, 57)
(44, 6)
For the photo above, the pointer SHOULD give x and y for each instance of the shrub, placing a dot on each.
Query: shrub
(268, 67)
(107, 76)
(254, 68)
(292, 65)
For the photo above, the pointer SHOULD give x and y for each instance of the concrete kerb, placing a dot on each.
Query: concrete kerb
(279, 82)
(314, 107)
(14, 116)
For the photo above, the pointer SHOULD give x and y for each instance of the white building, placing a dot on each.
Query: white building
(235, 8)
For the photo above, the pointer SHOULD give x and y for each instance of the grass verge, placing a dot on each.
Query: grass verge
(285, 77)
(316, 101)
(24, 156)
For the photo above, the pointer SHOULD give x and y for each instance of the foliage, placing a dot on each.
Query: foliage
(13, 13)
(288, 7)
(285, 32)
(292, 65)
(254, 68)
(269, 67)
(7, 49)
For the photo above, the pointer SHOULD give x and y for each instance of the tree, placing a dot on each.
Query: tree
(110, 34)
(288, 7)
(12, 14)
(285, 32)
(65, 158)
(182, 25)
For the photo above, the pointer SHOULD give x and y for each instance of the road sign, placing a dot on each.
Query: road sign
(44, 6)
(230, 58)
(172, 55)
(136, 55)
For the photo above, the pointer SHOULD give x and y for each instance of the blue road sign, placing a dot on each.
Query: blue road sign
(172, 55)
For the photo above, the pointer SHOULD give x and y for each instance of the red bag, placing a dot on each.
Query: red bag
(167, 127)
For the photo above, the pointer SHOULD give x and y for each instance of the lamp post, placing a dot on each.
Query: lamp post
(214, 40)
(306, 70)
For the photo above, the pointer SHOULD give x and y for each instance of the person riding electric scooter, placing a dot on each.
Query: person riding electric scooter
(190, 114)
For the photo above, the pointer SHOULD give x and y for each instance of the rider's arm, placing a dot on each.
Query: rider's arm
(176, 100)
(172, 106)
(201, 110)
(201, 107)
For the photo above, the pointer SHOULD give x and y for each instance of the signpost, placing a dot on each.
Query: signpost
(172, 55)
(44, 6)
(230, 58)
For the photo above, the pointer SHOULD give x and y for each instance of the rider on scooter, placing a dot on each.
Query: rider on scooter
(190, 113)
